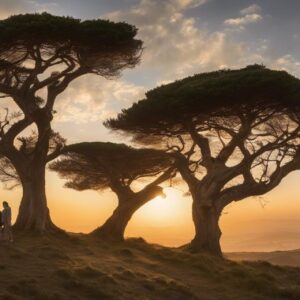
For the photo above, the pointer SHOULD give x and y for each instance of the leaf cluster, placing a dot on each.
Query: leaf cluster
(91, 43)
(48, 29)
(100, 165)
(225, 93)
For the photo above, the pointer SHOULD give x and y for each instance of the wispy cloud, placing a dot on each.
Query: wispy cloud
(252, 9)
(250, 14)
(92, 98)
(12, 7)
(247, 19)
(288, 63)
(174, 44)
(44, 6)
(8, 8)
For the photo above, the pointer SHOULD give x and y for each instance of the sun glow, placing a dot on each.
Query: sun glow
(162, 210)
(158, 208)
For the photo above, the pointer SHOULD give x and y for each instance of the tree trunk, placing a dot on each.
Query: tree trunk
(207, 230)
(33, 212)
(114, 228)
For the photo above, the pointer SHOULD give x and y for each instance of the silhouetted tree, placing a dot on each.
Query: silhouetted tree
(8, 174)
(40, 55)
(26, 145)
(99, 166)
(235, 134)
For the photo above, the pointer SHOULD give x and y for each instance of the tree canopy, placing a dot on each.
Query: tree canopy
(100, 46)
(100, 165)
(169, 108)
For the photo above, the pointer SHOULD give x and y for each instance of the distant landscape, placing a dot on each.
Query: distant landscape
(283, 258)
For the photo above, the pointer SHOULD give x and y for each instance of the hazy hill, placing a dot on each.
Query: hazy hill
(77, 267)
(284, 258)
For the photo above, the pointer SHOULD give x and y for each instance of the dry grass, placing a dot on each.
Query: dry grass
(78, 267)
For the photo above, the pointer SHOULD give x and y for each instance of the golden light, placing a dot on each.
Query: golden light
(162, 210)
(166, 221)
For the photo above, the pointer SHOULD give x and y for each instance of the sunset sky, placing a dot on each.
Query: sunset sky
(181, 38)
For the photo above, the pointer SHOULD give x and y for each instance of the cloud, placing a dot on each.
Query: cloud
(9, 7)
(92, 98)
(189, 3)
(174, 45)
(288, 63)
(12, 7)
(247, 19)
(250, 14)
(41, 7)
(252, 9)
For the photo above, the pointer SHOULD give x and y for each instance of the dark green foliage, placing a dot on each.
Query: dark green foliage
(44, 27)
(99, 165)
(92, 43)
(221, 93)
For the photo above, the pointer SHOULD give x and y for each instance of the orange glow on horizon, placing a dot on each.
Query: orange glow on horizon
(246, 225)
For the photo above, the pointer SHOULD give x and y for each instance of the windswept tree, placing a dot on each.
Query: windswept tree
(40, 54)
(99, 166)
(234, 133)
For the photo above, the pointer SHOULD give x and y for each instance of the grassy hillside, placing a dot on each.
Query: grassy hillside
(77, 267)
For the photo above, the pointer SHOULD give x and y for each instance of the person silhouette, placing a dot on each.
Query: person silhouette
(1, 226)
(6, 221)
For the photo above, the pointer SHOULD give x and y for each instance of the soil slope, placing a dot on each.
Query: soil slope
(79, 267)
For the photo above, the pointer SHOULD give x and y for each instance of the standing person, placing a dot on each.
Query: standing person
(6, 221)
(1, 226)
